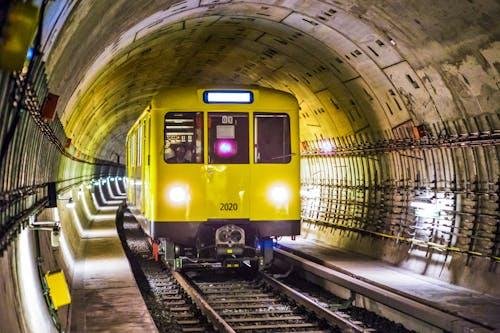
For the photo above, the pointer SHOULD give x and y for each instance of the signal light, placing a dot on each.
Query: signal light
(226, 148)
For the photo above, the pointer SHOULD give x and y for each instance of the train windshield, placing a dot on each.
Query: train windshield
(272, 138)
(183, 137)
(228, 138)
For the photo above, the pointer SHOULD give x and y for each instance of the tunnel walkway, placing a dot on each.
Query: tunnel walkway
(105, 296)
(462, 302)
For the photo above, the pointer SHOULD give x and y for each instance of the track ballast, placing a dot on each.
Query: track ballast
(224, 301)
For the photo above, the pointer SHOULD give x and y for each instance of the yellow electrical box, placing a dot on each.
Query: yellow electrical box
(58, 289)
(17, 34)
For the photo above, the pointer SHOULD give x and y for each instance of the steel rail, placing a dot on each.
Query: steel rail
(403, 303)
(330, 316)
(203, 305)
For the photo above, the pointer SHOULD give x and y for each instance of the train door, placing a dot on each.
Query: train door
(145, 164)
(227, 171)
(139, 164)
(133, 168)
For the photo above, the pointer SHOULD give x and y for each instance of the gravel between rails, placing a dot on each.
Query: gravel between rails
(241, 299)
(370, 320)
(170, 308)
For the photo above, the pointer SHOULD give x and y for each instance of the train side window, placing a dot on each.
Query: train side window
(228, 138)
(183, 136)
(272, 138)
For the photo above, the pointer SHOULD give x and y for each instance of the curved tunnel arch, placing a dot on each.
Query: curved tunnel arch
(346, 73)
(367, 75)
(399, 114)
(360, 74)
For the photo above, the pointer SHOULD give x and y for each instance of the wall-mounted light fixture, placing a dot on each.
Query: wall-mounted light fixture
(70, 203)
(53, 226)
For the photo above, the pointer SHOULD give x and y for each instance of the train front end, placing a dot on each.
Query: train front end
(227, 180)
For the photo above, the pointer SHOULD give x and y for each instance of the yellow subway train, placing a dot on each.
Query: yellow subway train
(213, 174)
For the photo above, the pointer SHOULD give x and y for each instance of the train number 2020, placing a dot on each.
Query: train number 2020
(228, 206)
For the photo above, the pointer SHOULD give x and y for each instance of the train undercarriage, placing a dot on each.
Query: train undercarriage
(217, 246)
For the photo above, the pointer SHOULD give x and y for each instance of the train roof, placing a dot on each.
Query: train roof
(192, 97)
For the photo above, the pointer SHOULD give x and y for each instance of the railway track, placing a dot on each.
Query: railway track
(253, 306)
(230, 302)
(171, 308)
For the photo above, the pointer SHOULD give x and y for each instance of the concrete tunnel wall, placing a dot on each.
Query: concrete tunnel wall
(33, 254)
(28, 255)
(23, 303)
(396, 98)
(397, 104)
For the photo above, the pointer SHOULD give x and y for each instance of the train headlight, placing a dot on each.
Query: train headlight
(279, 194)
(178, 195)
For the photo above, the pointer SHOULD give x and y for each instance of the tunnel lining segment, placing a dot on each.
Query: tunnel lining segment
(157, 24)
(429, 93)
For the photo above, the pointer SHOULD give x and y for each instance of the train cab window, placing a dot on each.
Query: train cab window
(183, 135)
(272, 138)
(228, 138)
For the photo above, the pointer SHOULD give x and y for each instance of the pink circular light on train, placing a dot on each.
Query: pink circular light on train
(226, 148)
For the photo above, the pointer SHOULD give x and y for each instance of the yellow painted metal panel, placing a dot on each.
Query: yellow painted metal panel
(208, 186)
(189, 177)
(227, 188)
(58, 289)
(267, 177)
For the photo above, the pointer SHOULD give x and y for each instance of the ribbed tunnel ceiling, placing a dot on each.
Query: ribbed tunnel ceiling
(409, 90)
(355, 67)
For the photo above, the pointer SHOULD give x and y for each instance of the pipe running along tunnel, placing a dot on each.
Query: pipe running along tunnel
(399, 113)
